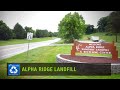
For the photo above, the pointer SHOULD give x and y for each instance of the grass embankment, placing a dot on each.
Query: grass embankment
(105, 37)
(20, 41)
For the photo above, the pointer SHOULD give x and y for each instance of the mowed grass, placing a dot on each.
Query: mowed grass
(46, 54)
(20, 41)
(105, 37)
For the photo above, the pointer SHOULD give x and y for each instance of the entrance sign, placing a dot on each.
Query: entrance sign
(95, 47)
(29, 36)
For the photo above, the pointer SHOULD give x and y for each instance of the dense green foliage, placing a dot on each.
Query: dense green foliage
(110, 23)
(102, 24)
(5, 31)
(19, 31)
(89, 29)
(71, 27)
(114, 19)
(29, 29)
(41, 33)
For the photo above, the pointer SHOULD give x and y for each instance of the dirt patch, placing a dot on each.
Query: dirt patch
(90, 59)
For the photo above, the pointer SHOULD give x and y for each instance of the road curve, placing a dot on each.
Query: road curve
(11, 50)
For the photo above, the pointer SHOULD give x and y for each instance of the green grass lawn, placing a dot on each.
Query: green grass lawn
(20, 41)
(60, 42)
(46, 54)
(101, 36)
(104, 37)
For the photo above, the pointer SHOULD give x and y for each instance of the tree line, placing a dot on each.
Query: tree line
(110, 24)
(18, 32)
(73, 26)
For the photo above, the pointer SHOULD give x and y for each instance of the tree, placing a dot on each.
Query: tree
(102, 24)
(29, 29)
(41, 33)
(89, 29)
(71, 27)
(38, 33)
(50, 34)
(114, 22)
(19, 31)
(55, 34)
(45, 33)
(95, 30)
(5, 31)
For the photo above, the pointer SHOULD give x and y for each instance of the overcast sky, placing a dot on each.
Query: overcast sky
(47, 19)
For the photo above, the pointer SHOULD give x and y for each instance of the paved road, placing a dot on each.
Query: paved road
(11, 50)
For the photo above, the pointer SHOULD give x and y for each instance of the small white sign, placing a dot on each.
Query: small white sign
(29, 36)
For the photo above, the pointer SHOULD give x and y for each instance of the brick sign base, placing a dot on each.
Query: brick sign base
(115, 67)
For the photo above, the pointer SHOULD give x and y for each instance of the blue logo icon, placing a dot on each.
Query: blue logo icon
(13, 69)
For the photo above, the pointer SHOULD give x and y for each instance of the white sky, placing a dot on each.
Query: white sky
(47, 19)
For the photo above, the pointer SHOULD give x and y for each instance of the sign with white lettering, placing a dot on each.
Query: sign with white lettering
(95, 47)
